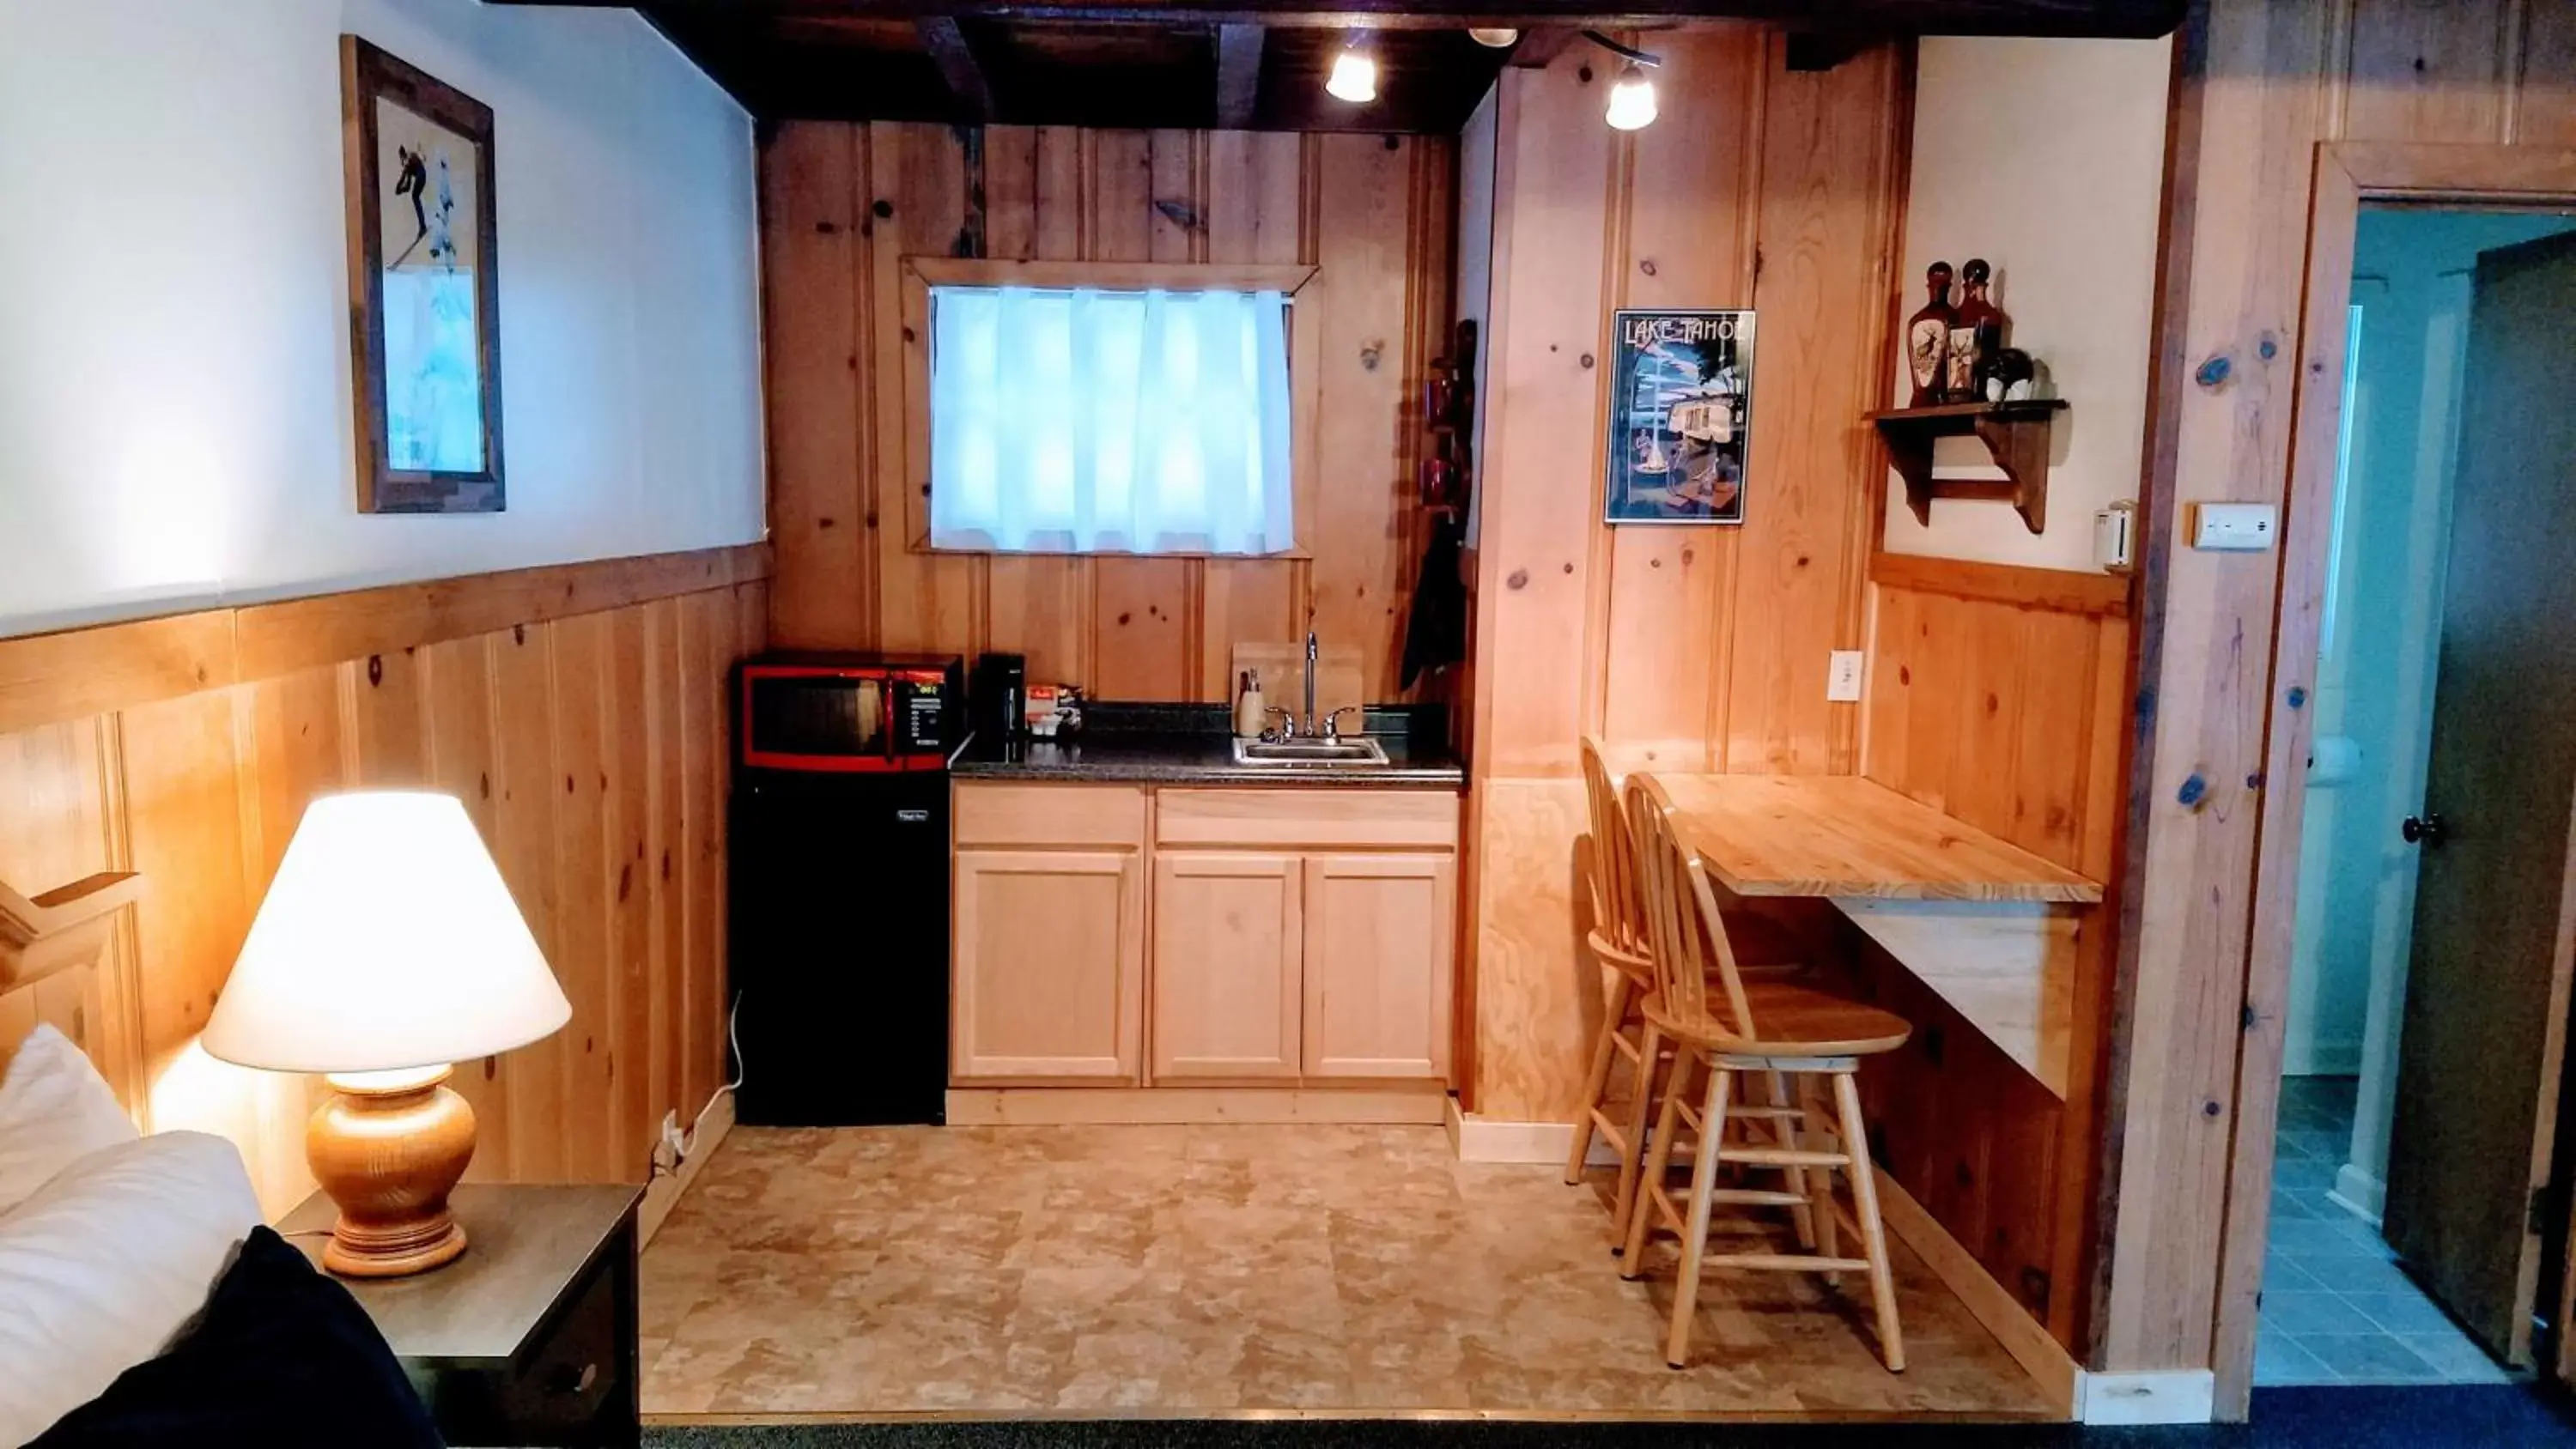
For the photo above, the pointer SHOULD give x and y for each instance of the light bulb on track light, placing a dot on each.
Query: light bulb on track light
(1354, 77)
(1494, 37)
(1632, 100)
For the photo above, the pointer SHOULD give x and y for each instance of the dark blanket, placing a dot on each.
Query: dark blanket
(282, 1357)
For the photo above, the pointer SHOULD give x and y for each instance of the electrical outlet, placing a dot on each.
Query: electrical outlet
(672, 1137)
(1842, 679)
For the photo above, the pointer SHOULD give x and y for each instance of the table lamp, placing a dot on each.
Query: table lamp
(388, 948)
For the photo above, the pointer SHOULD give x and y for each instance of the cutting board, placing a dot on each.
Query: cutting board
(1283, 677)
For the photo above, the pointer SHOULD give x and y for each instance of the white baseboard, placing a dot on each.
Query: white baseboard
(2154, 1396)
(2360, 1194)
(663, 1193)
(1485, 1139)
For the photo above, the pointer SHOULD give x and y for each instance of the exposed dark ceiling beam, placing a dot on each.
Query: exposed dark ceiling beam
(1238, 75)
(1930, 17)
(945, 39)
(1545, 43)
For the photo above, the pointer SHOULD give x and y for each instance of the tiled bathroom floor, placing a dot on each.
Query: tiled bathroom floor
(2336, 1308)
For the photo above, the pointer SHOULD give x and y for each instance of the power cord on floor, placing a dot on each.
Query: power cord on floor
(688, 1143)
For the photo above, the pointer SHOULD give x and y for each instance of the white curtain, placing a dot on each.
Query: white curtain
(1089, 421)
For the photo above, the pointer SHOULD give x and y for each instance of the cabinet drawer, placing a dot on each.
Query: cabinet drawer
(1334, 819)
(1043, 815)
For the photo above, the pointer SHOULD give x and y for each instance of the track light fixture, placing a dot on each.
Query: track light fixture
(1354, 76)
(1494, 37)
(1632, 93)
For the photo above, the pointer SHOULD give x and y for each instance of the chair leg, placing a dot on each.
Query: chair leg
(1873, 1234)
(1695, 1236)
(1641, 1101)
(1668, 1125)
(1605, 1050)
(1784, 1133)
(1820, 1180)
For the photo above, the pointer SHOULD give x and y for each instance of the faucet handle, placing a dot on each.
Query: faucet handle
(1332, 721)
(1287, 729)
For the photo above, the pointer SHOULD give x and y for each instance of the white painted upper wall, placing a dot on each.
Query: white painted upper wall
(175, 424)
(2045, 157)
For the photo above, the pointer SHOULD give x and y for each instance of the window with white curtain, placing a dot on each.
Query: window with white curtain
(1087, 420)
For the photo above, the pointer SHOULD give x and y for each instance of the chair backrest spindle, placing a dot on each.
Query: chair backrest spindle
(1695, 968)
(1618, 903)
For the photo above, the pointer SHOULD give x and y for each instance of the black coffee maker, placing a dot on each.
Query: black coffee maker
(997, 698)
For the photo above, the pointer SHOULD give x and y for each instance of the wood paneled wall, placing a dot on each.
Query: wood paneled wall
(1682, 648)
(577, 711)
(1995, 694)
(2260, 84)
(842, 204)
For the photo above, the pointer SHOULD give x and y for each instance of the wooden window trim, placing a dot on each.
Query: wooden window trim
(1305, 384)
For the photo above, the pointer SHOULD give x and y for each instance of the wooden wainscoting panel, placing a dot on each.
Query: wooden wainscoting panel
(79, 673)
(588, 748)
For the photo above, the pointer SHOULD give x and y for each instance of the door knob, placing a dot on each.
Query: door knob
(2426, 832)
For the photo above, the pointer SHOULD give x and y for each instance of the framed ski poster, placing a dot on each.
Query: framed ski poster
(1681, 401)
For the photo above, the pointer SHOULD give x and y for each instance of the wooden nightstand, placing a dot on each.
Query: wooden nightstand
(529, 1339)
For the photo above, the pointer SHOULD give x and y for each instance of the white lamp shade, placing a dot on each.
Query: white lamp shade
(1632, 101)
(387, 941)
(1354, 76)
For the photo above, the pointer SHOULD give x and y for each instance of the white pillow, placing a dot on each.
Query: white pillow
(103, 1267)
(54, 1108)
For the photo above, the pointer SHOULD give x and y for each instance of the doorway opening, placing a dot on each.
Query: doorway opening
(2418, 1062)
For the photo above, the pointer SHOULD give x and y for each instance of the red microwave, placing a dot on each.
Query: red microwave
(848, 713)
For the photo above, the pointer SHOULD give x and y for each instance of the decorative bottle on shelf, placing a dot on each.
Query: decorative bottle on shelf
(1927, 339)
(1976, 334)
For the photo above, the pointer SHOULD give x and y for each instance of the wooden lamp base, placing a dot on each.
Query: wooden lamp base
(387, 1148)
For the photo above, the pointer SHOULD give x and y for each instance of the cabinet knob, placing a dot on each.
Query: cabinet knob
(2427, 832)
(564, 1380)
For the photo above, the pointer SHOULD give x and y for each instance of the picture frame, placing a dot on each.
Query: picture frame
(424, 288)
(1680, 417)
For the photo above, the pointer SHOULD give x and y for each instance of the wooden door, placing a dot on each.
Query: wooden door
(2484, 1026)
(1226, 953)
(1379, 930)
(1050, 966)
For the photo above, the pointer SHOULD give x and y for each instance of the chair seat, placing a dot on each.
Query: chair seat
(1794, 1021)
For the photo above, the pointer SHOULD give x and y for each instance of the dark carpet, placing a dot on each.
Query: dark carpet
(2286, 1418)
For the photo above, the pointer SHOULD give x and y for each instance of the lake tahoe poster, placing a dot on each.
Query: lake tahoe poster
(1681, 395)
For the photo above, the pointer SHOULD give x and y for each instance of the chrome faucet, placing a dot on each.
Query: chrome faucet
(1310, 682)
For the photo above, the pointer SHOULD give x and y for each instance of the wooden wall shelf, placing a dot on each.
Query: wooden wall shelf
(2015, 433)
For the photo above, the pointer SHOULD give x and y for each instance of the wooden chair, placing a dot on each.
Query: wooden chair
(1619, 937)
(1715, 1021)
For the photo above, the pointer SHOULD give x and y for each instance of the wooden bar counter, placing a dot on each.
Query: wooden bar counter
(1987, 925)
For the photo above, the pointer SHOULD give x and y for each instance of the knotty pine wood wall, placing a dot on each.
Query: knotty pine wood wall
(1681, 648)
(2260, 84)
(843, 203)
(578, 711)
(1997, 695)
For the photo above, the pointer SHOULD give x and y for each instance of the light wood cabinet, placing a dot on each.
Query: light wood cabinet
(1380, 931)
(1226, 961)
(1290, 937)
(1049, 956)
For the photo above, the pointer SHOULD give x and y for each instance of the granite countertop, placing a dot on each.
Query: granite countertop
(1193, 745)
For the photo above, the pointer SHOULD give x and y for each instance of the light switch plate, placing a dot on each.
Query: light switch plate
(1842, 679)
(2237, 527)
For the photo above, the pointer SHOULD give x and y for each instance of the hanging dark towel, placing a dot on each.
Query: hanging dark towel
(1435, 634)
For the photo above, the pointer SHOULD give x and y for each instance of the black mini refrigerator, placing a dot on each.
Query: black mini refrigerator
(839, 877)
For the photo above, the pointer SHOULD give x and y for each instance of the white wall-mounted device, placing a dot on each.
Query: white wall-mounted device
(2235, 527)
(2115, 537)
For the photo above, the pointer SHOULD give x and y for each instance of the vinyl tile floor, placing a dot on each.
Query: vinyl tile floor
(2337, 1309)
(1197, 1271)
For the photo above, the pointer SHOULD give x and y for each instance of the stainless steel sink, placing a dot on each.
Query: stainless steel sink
(1310, 754)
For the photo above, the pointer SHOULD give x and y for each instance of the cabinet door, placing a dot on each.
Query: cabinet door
(1226, 996)
(1380, 931)
(1049, 965)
